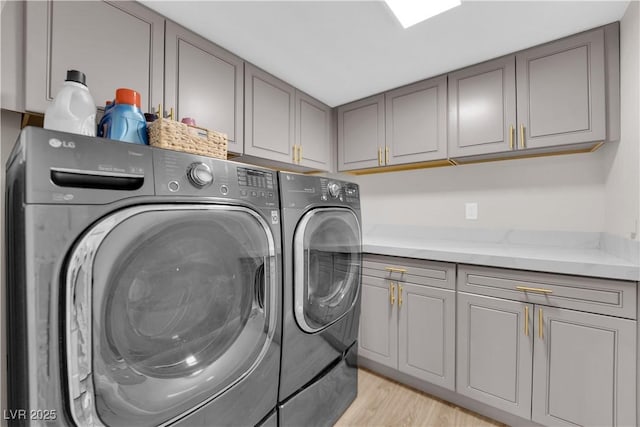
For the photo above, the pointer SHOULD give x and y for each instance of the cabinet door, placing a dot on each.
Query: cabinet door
(361, 134)
(561, 92)
(426, 340)
(584, 369)
(204, 82)
(313, 132)
(378, 337)
(482, 108)
(116, 44)
(416, 122)
(495, 350)
(269, 116)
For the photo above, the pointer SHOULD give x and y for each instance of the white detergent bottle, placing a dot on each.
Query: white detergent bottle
(73, 109)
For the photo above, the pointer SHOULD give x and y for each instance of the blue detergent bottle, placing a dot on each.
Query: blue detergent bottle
(105, 118)
(125, 121)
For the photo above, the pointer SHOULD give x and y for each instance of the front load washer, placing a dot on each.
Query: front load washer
(322, 245)
(144, 285)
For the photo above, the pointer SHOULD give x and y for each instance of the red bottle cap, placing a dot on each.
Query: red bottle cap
(127, 96)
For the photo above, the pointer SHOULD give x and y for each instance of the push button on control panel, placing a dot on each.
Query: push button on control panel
(173, 186)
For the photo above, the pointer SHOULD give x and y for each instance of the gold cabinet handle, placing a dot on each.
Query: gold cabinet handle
(395, 270)
(511, 132)
(299, 153)
(379, 156)
(526, 320)
(171, 113)
(392, 293)
(522, 143)
(295, 151)
(537, 290)
(399, 295)
(540, 324)
(386, 155)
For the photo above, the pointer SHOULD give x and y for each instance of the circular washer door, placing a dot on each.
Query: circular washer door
(181, 303)
(327, 264)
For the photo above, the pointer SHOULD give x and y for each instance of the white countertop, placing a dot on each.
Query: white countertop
(581, 254)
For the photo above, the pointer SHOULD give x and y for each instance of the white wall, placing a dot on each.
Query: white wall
(550, 193)
(622, 160)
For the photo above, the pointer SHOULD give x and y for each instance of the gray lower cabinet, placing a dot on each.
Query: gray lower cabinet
(361, 136)
(313, 133)
(583, 369)
(378, 337)
(116, 44)
(482, 108)
(416, 122)
(527, 345)
(269, 116)
(405, 323)
(204, 82)
(495, 351)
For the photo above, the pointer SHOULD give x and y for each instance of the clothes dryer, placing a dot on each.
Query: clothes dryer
(144, 285)
(322, 245)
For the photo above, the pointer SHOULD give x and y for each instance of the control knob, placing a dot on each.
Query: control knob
(334, 189)
(200, 175)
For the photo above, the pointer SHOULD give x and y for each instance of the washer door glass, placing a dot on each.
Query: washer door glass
(183, 307)
(327, 264)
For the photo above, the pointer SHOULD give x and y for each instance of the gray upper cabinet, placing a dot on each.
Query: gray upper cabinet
(361, 137)
(205, 82)
(269, 116)
(584, 369)
(116, 44)
(563, 98)
(416, 122)
(561, 92)
(313, 133)
(495, 352)
(482, 108)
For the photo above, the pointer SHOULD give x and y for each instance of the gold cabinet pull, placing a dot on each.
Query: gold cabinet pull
(299, 154)
(522, 143)
(540, 325)
(537, 290)
(386, 155)
(395, 270)
(399, 295)
(379, 156)
(171, 113)
(392, 293)
(526, 320)
(295, 151)
(511, 132)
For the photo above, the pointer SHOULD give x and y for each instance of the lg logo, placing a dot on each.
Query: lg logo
(56, 143)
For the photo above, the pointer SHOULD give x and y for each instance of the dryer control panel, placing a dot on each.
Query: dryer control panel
(182, 174)
(303, 190)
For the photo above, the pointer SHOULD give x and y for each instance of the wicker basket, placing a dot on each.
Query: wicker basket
(172, 135)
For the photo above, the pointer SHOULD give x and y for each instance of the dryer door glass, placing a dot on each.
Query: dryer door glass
(183, 307)
(327, 264)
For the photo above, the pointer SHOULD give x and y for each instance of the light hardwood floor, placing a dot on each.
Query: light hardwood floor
(382, 402)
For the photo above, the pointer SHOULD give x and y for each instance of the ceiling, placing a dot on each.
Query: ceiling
(340, 51)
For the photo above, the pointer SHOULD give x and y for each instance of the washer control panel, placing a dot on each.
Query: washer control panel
(200, 174)
(181, 174)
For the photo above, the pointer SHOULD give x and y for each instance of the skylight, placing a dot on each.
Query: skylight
(410, 12)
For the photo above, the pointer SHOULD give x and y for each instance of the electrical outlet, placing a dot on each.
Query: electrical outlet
(471, 210)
